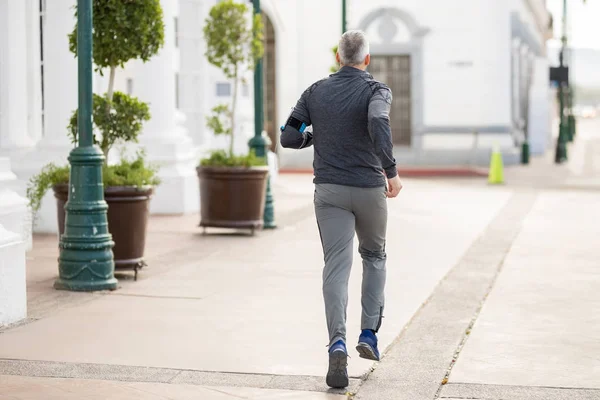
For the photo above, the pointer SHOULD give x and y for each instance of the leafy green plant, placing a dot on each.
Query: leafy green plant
(122, 124)
(336, 66)
(123, 31)
(133, 171)
(220, 158)
(233, 44)
(39, 184)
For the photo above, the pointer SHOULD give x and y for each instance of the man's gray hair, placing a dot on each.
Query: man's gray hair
(353, 48)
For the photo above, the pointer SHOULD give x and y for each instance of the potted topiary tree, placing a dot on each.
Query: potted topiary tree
(232, 187)
(123, 31)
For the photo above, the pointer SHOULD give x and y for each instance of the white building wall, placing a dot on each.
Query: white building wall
(13, 294)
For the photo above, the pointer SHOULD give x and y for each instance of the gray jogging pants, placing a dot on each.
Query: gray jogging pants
(341, 211)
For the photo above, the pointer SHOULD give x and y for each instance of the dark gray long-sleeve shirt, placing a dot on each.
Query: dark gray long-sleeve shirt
(351, 134)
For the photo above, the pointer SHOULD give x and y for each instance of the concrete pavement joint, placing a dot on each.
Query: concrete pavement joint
(500, 392)
(124, 373)
(417, 363)
(470, 328)
(150, 296)
(17, 324)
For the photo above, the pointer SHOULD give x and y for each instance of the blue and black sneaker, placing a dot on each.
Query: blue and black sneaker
(337, 376)
(367, 345)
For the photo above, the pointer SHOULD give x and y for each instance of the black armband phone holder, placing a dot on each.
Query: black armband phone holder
(295, 123)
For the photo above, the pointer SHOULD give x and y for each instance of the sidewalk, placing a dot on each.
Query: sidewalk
(538, 334)
(226, 316)
(248, 308)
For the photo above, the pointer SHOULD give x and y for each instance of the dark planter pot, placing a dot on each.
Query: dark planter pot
(128, 209)
(232, 197)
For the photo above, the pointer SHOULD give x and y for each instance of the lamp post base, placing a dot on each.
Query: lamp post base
(269, 218)
(260, 145)
(561, 145)
(525, 152)
(83, 286)
(86, 261)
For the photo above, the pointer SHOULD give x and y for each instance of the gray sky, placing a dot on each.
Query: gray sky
(584, 21)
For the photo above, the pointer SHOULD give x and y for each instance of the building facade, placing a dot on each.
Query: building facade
(466, 74)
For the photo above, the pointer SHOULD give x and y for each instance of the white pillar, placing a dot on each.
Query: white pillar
(60, 95)
(13, 293)
(34, 75)
(13, 76)
(193, 79)
(60, 78)
(14, 135)
(164, 137)
(14, 211)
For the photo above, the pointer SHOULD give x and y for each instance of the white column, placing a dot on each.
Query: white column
(60, 78)
(14, 135)
(13, 76)
(164, 137)
(13, 293)
(60, 100)
(14, 211)
(193, 79)
(34, 75)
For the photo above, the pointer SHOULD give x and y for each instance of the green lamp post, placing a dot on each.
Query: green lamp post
(86, 259)
(260, 143)
(571, 117)
(563, 132)
(344, 20)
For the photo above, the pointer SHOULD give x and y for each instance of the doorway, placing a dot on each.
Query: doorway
(269, 81)
(395, 71)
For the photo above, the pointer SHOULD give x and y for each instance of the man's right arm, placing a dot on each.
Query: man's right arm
(293, 133)
(380, 130)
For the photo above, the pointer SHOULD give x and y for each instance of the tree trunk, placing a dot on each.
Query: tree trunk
(234, 102)
(111, 83)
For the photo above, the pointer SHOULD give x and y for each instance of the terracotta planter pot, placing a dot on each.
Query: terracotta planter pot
(232, 197)
(127, 222)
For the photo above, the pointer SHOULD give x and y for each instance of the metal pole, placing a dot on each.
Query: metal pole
(344, 21)
(561, 143)
(260, 142)
(571, 117)
(86, 260)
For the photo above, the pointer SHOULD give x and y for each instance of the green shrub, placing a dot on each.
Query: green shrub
(220, 158)
(123, 124)
(131, 172)
(128, 172)
(39, 184)
(124, 30)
